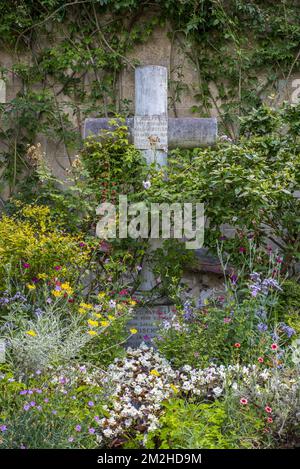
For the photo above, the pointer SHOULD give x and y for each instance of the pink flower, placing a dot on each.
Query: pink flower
(268, 409)
(270, 420)
(57, 267)
(26, 265)
(260, 359)
(227, 320)
(274, 346)
(237, 345)
(242, 250)
(244, 401)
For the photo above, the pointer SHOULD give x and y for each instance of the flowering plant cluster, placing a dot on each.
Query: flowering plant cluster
(142, 382)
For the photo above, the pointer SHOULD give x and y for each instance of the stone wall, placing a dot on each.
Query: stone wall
(159, 50)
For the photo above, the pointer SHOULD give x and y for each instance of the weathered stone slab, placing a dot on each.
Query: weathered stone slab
(182, 133)
(146, 321)
(151, 132)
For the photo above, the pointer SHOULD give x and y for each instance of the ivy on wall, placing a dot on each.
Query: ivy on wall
(67, 56)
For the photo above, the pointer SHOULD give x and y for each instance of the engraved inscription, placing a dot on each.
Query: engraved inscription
(151, 132)
(146, 321)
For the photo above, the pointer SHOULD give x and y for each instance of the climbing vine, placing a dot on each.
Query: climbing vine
(67, 56)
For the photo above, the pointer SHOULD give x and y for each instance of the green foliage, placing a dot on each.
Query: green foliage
(238, 49)
(191, 425)
(55, 408)
(249, 184)
(289, 304)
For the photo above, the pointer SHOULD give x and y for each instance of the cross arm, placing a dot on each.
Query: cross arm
(182, 132)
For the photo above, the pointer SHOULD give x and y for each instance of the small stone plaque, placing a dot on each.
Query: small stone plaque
(151, 132)
(146, 320)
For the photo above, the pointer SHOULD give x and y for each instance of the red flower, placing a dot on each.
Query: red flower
(268, 409)
(237, 345)
(57, 267)
(244, 401)
(270, 420)
(274, 346)
(260, 359)
(242, 250)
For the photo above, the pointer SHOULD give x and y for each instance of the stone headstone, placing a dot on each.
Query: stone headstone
(152, 132)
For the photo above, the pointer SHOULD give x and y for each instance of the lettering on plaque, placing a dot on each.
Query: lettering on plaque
(151, 132)
(146, 320)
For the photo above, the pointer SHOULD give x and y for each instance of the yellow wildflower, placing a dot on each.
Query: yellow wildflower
(111, 318)
(42, 276)
(132, 302)
(93, 323)
(92, 332)
(67, 288)
(86, 305)
(82, 311)
(104, 323)
(97, 315)
(154, 373)
(30, 286)
(175, 389)
(57, 293)
(133, 331)
(31, 333)
(102, 294)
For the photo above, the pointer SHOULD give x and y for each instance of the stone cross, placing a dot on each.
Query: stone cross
(154, 133)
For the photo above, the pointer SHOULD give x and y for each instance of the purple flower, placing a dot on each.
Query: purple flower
(26, 407)
(233, 279)
(26, 265)
(91, 404)
(147, 338)
(97, 418)
(92, 430)
(255, 277)
(38, 372)
(288, 330)
(262, 327)
(39, 407)
(54, 412)
(22, 393)
(71, 439)
(78, 428)
(3, 428)
(32, 404)
(38, 312)
(46, 400)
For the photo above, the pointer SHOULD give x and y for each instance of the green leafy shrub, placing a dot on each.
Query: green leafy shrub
(191, 425)
(249, 184)
(57, 409)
